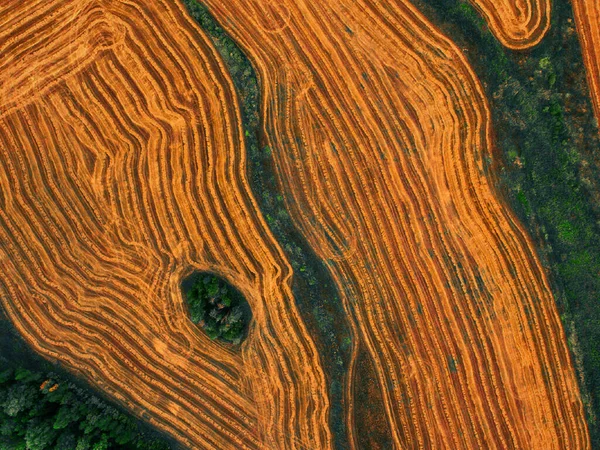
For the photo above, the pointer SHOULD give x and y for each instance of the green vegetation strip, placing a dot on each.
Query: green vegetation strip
(314, 291)
(548, 138)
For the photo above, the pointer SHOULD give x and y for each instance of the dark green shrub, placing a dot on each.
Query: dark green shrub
(218, 308)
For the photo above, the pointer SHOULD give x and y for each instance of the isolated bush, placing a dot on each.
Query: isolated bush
(217, 308)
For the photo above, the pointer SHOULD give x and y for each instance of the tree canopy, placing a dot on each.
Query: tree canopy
(217, 308)
(43, 411)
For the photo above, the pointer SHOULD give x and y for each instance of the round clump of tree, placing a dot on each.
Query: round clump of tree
(217, 308)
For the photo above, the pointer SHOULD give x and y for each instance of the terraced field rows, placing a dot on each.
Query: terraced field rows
(122, 169)
(517, 24)
(587, 19)
(381, 137)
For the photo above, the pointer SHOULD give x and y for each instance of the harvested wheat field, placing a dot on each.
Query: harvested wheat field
(381, 137)
(517, 24)
(122, 169)
(587, 19)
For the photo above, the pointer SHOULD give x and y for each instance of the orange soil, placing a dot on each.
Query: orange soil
(381, 137)
(122, 168)
(517, 24)
(587, 19)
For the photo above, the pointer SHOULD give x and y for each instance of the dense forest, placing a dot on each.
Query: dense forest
(44, 411)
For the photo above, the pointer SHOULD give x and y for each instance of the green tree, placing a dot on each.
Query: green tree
(217, 308)
(40, 434)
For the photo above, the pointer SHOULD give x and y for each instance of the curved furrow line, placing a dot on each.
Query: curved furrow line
(374, 293)
(492, 365)
(69, 44)
(394, 267)
(138, 326)
(320, 109)
(70, 115)
(527, 268)
(540, 292)
(219, 212)
(587, 19)
(565, 353)
(128, 162)
(472, 334)
(292, 421)
(134, 135)
(112, 383)
(517, 24)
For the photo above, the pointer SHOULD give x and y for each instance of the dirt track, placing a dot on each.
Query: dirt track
(587, 19)
(517, 24)
(122, 168)
(381, 137)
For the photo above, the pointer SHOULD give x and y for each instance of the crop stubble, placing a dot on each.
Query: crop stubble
(122, 168)
(587, 19)
(381, 138)
(517, 24)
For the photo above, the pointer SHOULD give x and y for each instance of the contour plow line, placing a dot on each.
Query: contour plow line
(517, 24)
(587, 19)
(385, 164)
(122, 169)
